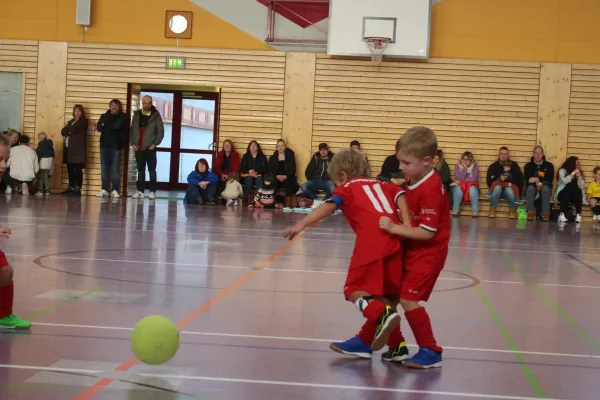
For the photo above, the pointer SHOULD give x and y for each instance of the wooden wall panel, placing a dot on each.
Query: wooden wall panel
(252, 88)
(472, 105)
(22, 56)
(584, 118)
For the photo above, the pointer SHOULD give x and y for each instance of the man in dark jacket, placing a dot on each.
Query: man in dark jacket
(505, 180)
(539, 177)
(390, 171)
(111, 125)
(146, 133)
(317, 174)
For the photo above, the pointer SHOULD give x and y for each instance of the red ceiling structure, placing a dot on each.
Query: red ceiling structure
(304, 13)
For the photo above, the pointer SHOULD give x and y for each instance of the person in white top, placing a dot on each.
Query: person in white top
(24, 165)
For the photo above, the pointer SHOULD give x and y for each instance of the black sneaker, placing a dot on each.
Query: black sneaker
(200, 201)
(398, 354)
(387, 322)
(210, 201)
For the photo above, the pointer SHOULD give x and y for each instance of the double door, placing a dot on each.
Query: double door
(191, 133)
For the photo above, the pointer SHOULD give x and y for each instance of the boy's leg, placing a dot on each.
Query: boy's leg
(418, 287)
(7, 291)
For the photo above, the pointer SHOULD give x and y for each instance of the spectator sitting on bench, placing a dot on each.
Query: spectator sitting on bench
(226, 162)
(466, 184)
(539, 177)
(282, 165)
(390, 171)
(253, 167)
(355, 144)
(504, 178)
(442, 168)
(317, 174)
(570, 189)
(594, 194)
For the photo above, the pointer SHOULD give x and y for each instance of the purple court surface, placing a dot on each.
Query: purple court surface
(516, 307)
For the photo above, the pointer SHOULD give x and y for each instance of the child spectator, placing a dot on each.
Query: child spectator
(24, 165)
(265, 196)
(45, 153)
(594, 194)
(375, 270)
(426, 240)
(202, 185)
(7, 288)
(233, 189)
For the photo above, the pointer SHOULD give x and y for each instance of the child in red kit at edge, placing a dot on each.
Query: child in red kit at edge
(7, 318)
(426, 244)
(375, 270)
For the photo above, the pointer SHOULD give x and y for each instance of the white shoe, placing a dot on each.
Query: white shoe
(138, 195)
(39, 194)
(595, 218)
(8, 190)
(152, 196)
(562, 218)
(578, 219)
(25, 189)
(115, 194)
(103, 193)
(229, 203)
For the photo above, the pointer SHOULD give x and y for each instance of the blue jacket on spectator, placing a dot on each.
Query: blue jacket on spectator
(194, 192)
(195, 177)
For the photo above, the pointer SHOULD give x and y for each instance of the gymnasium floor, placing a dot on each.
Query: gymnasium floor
(516, 307)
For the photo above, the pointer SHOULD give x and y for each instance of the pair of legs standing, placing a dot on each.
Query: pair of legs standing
(110, 164)
(75, 173)
(143, 159)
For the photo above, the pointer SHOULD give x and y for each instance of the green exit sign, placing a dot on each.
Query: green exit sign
(175, 62)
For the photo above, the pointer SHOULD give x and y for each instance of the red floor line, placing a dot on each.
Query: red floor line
(126, 366)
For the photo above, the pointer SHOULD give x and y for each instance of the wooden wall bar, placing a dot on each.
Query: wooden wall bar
(252, 88)
(471, 105)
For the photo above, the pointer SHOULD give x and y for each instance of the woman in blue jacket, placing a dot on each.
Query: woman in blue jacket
(202, 185)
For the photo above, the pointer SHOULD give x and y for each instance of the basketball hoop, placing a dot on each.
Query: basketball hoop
(377, 46)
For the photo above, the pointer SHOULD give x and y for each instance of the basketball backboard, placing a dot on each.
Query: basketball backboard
(405, 22)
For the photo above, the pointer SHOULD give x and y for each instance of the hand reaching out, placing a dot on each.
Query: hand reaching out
(386, 223)
(292, 232)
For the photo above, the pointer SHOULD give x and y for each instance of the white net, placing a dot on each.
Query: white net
(377, 46)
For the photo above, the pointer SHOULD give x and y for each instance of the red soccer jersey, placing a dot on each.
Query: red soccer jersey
(363, 201)
(429, 205)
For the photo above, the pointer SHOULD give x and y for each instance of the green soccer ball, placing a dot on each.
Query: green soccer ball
(155, 340)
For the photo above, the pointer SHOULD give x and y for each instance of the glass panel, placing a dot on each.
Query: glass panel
(197, 124)
(187, 163)
(11, 86)
(164, 104)
(163, 167)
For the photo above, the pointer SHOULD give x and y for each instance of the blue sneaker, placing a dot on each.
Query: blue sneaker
(353, 347)
(425, 358)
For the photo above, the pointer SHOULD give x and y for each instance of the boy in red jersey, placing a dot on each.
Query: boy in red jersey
(7, 318)
(376, 265)
(426, 247)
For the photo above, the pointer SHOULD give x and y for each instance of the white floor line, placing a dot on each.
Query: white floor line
(337, 240)
(308, 385)
(320, 231)
(308, 271)
(317, 340)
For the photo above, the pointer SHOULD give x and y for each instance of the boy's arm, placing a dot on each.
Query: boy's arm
(320, 213)
(406, 232)
(403, 208)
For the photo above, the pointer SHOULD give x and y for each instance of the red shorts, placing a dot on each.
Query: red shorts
(3, 260)
(379, 278)
(417, 286)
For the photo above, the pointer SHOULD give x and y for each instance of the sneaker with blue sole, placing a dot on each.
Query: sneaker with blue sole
(424, 359)
(353, 347)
